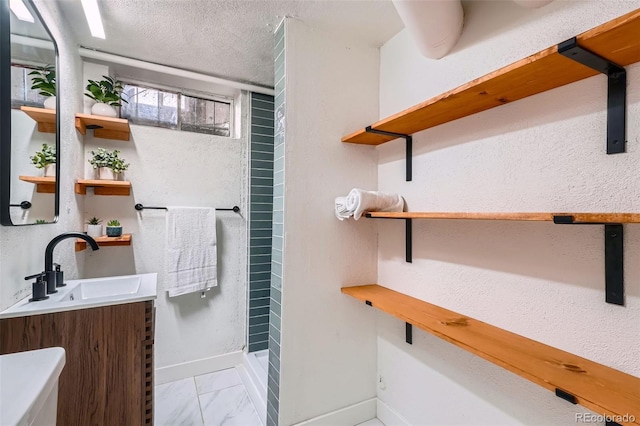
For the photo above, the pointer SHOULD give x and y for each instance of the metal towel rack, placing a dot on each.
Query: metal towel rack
(25, 205)
(140, 207)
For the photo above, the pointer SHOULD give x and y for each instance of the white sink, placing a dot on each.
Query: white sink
(90, 293)
(104, 287)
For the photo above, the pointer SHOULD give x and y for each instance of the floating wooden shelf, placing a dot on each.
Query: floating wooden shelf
(542, 217)
(104, 241)
(104, 127)
(46, 118)
(44, 185)
(103, 187)
(616, 40)
(600, 388)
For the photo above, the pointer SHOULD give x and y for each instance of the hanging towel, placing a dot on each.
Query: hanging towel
(191, 250)
(341, 210)
(360, 201)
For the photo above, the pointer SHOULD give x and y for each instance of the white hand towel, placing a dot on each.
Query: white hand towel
(191, 250)
(341, 210)
(360, 201)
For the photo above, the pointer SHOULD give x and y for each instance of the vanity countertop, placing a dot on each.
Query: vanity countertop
(26, 380)
(89, 293)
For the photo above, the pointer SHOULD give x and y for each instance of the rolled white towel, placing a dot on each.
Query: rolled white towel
(341, 210)
(360, 201)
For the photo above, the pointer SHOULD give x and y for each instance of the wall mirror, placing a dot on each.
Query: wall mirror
(29, 125)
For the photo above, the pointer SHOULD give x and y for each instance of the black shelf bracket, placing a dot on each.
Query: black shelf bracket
(408, 147)
(566, 396)
(613, 257)
(408, 239)
(617, 91)
(408, 331)
(611, 423)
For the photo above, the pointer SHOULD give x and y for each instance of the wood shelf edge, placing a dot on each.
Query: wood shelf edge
(579, 217)
(602, 389)
(44, 185)
(103, 187)
(104, 241)
(45, 118)
(109, 127)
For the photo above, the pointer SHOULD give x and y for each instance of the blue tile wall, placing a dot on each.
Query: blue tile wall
(273, 394)
(261, 217)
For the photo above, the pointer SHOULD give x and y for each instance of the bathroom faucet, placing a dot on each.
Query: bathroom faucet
(50, 273)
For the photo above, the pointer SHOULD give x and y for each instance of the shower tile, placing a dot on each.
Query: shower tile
(176, 403)
(228, 407)
(216, 381)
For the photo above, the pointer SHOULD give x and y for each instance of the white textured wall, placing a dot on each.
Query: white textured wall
(172, 168)
(22, 248)
(543, 281)
(328, 347)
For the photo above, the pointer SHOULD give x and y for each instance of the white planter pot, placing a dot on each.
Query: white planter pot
(105, 173)
(50, 170)
(94, 231)
(50, 102)
(103, 110)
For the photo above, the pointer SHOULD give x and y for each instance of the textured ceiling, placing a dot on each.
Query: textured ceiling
(232, 39)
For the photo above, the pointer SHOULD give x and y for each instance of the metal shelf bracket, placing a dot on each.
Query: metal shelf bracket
(408, 331)
(408, 240)
(613, 257)
(617, 91)
(408, 147)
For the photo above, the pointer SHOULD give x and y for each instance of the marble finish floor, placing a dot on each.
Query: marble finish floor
(214, 399)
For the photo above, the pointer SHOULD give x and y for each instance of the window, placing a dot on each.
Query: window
(21, 93)
(174, 110)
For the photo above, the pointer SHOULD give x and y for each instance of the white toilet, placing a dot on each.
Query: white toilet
(29, 387)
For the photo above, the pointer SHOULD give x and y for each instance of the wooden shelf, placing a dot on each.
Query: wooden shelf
(103, 187)
(44, 185)
(602, 389)
(616, 40)
(46, 118)
(104, 127)
(541, 217)
(104, 241)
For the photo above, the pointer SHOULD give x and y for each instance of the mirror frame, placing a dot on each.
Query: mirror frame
(5, 115)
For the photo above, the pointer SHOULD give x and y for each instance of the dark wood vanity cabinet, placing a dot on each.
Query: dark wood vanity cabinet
(108, 375)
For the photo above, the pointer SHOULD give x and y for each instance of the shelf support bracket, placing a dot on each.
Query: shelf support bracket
(408, 241)
(408, 331)
(610, 423)
(617, 91)
(613, 257)
(408, 148)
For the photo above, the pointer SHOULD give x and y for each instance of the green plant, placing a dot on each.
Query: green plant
(40, 221)
(45, 157)
(44, 80)
(94, 221)
(107, 91)
(110, 159)
(113, 222)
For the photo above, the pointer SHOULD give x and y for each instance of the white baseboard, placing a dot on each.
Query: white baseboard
(348, 416)
(184, 370)
(388, 415)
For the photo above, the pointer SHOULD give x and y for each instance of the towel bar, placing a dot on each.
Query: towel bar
(140, 207)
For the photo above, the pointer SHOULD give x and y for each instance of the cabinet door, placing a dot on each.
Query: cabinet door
(103, 376)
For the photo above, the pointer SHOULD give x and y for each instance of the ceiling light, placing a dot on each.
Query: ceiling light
(92, 13)
(20, 10)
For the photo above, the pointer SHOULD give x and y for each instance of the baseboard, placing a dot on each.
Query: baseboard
(347, 416)
(388, 415)
(184, 370)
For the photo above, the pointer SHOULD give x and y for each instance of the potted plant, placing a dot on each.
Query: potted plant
(40, 222)
(44, 80)
(114, 229)
(108, 94)
(108, 163)
(94, 227)
(45, 159)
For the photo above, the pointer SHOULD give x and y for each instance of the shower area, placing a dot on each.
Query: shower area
(256, 359)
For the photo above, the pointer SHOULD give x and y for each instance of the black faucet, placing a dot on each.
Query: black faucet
(50, 273)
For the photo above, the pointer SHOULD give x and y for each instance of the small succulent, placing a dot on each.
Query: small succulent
(45, 157)
(44, 80)
(110, 159)
(107, 91)
(94, 221)
(113, 222)
(40, 221)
